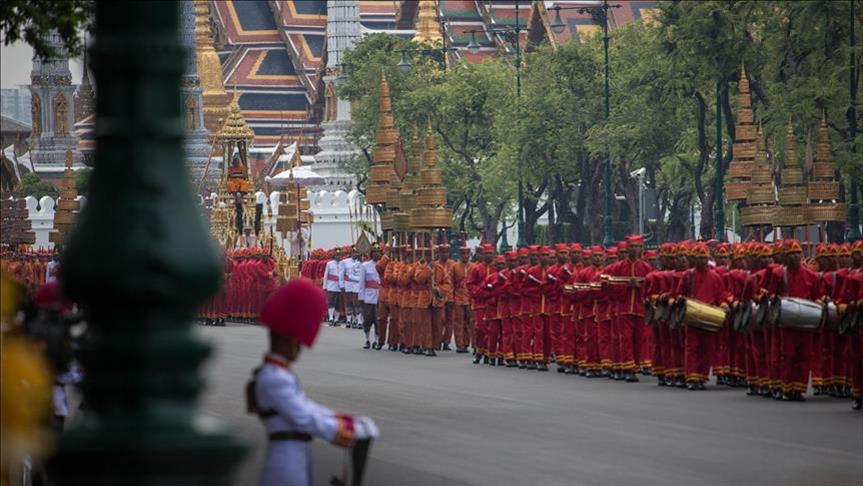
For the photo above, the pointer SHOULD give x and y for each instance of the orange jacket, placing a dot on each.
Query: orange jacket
(458, 277)
(442, 283)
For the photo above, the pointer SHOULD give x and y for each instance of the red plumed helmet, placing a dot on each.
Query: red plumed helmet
(296, 311)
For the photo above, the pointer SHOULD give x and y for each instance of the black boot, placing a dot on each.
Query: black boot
(430, 352)
(531, 366)
(477, 358)
(491, 362)
(630, 377)
(679, 383)
(690, 385)
(446, 347)
(542, 367)
(590, 374)
(858, 404)
(752, 391)
(522, 365)
(485, 360)
(366, 345)
(570, 370)
(660, 381)
(561, 368)
(510, 363)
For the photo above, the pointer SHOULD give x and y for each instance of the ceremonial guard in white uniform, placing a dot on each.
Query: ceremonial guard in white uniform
(369, 284)
(332, 283)
(351, 272)
(293, 314)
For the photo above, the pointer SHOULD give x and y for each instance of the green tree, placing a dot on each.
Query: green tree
(32, 21)
(31, 185)
(82, 181)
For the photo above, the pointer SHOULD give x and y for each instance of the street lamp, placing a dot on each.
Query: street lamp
(511, 35)
(601, 13)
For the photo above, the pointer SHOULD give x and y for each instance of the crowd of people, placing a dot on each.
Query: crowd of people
(31, 268)
(583, 309)
(249, 276)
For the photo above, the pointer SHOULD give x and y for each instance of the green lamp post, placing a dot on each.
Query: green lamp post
(600, 13)
(138, 263)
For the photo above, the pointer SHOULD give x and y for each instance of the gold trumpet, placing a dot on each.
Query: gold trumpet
(616, 279)
(580, 287)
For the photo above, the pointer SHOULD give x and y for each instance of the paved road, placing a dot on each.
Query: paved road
(445, 421)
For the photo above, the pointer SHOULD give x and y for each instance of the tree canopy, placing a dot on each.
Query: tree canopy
(668, 75)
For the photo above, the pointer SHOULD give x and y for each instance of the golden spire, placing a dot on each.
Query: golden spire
(215, 98)
(67, 205)
(428, 28)
(386, 138)
(430, 212)
(235, 126)
(746, 147)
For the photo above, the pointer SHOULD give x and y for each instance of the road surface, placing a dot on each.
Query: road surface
(445, 421)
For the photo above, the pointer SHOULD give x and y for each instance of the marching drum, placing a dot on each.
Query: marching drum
(649, 313)
(795, 313)
(744, 316)
(850, 320)
(762, 312)
(831, 320)
(693, 312)
(663, 310)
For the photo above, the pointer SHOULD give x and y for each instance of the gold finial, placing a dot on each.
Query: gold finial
(235, 126)
(428, 28)
(790, 151)
(69, 158)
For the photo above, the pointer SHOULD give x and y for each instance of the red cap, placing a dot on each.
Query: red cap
(533, 248)
(621, 245)
(544, 250)
(612, 251)
(723, 250)
(792, 246)
(650, 254)
(634, 240)
(523, 252)
(700, 250)
(561, 248)
(296, 311)
(575, 247)
(511, 255)
(488, 248)
(499, 259)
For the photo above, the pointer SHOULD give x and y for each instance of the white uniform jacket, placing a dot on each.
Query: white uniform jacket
(370, 282)
(332, 277)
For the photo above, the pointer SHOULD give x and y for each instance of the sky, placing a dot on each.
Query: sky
(16, 61)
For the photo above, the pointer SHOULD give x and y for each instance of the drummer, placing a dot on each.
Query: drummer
(794, 280)
(706, 285)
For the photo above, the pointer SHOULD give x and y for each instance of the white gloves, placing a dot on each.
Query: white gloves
(365, 428)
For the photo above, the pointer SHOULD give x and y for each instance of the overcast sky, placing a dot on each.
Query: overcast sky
(16, 61)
